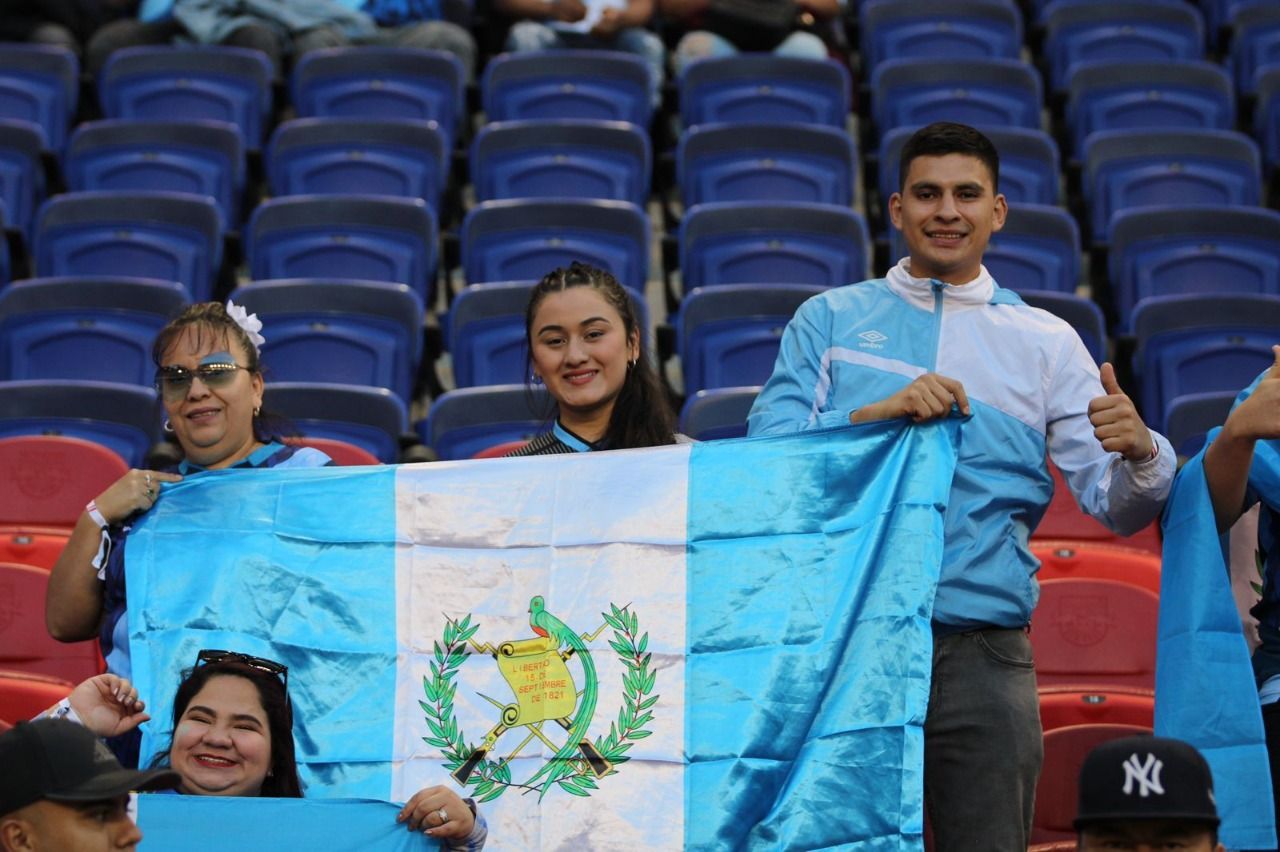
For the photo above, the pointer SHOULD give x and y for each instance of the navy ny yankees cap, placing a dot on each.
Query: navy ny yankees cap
(1145, 777)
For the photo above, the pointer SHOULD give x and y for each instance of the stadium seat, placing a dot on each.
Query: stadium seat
(123, 418)
(741, 242)
(343, 453)
(199, 157)
(1255, 42)
(1139, 31)
(1128, 95)
(40, 84)
(404, 157)
(766, 162)
(1266, 116)
(330, 330)
(372, 419)
(1142, 168)
(979, 92)
(1058, 790)
(759, 87)
(84, 328)
(518, 240)
(975, 29)
(22, 183)
(24, 696)
(4, 248)
(1192, 415)
(709, 415)
(565, 158)
(1095, 633)
(1196, 344)
(1063, 520)
(365, 237)
(25, 643)
(49, 478)
(1060, 560)
(1061, 708)
(1081, 314)
(168, 236)
(231, 84)
(463, 422)
(602, 85)
(728, 335)
(29, 545)
(1162, 251)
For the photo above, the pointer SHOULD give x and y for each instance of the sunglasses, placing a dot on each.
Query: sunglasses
(280, 670)
(173, 383)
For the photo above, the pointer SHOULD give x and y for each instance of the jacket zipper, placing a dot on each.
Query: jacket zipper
(938, 287)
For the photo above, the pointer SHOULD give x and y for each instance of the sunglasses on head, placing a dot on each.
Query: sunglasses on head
(210, 655)
(173, 383)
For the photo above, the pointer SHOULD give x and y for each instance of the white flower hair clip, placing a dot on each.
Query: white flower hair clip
(250, 323)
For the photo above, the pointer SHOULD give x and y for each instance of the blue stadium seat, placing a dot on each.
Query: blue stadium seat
(564, 158)
(350, 332)
(980, 92)
(40, 84)
(1266, 116)
(231, 84)
(463, 422)
(4, 248)
(1137, 30)
(1141, 168)
(96, 329)
(382, 82)
(1255, 41)
(931, 29)
(22, 183)
(199, 157)
(1037, 249)
(169, 236)
(1163, 251)
(518, 240)
(710, 415)
(737, 242)
(1127, 95)
(1081, 314)
(602, 85)
(362, 156)
(365, 237)
(766, 162)
(1192, 415)
(123, 418)
(373, 419)
(728, 336)
(763, 87)
(1197, 344)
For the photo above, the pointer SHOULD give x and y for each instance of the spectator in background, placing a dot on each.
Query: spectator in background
(82, 26)
(725, 27)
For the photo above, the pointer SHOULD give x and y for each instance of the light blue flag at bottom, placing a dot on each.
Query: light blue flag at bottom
(723, 645)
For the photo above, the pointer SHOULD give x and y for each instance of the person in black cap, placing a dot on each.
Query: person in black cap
(1147, 793)
(62, 789)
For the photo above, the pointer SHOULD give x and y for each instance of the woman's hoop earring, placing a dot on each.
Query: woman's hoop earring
(256, 410)
(535, 378)
(168, 427)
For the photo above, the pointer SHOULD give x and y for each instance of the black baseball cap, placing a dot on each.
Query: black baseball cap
(1145, 777)
(64, 762)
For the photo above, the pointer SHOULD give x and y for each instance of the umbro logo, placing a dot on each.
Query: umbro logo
(872, 339)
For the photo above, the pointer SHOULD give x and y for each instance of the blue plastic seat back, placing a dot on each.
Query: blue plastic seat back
(371, 238)
(97, 329)
(566, 158)
(231, 84)
(463, 422)
(710, 415)
(524, 240)
(1266, 116)
(762, 87)
(40, 84)
(746, 243)
(1191, 416)
(164, 235)
(1139, 31)
(1080, 313)
(198, 157)
(924, 29)
(350, 332)
(1038, 249)
(1141, 168)
(4, 250)
(363, 156)
(601, 85)
(373, 419)
(123, 418)
(1127, 95)
(1255, 41)
(22, 183)
(1165, 251)
(766, 162)
(729, 335)
(979, 92)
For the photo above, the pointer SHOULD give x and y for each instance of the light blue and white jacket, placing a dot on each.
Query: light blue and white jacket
(1029, 380)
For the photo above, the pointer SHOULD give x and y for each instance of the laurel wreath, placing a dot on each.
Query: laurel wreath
(491, 778)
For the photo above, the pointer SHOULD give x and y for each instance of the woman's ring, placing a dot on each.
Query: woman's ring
(151, 494)
(148, 481)
(444, 816)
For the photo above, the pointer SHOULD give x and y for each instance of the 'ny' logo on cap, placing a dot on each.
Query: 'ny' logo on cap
(1146, 775)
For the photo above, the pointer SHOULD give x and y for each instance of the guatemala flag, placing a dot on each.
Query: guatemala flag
(709, 646)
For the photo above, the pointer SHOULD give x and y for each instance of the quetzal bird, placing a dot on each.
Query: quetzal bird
(546, 624)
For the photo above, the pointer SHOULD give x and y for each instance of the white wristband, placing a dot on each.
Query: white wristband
(63, 710)
(93, 512)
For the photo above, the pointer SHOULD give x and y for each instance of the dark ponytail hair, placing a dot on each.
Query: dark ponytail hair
(642, 415)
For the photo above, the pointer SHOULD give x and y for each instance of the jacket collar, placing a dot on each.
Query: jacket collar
(919, 291)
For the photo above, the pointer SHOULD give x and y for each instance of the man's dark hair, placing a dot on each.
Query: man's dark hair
(947, 137)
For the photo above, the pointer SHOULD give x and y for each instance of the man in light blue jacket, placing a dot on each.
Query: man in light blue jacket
(938, 337)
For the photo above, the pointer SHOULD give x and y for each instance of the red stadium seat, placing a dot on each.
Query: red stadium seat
(342, 453)
(25, 643)
(49, 479)
(499, 450)
(37, 546)
(24, 695)
(1057, 793)
(1097, 561)
(1062, 707)
(1095, 633)
(1063, 519)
